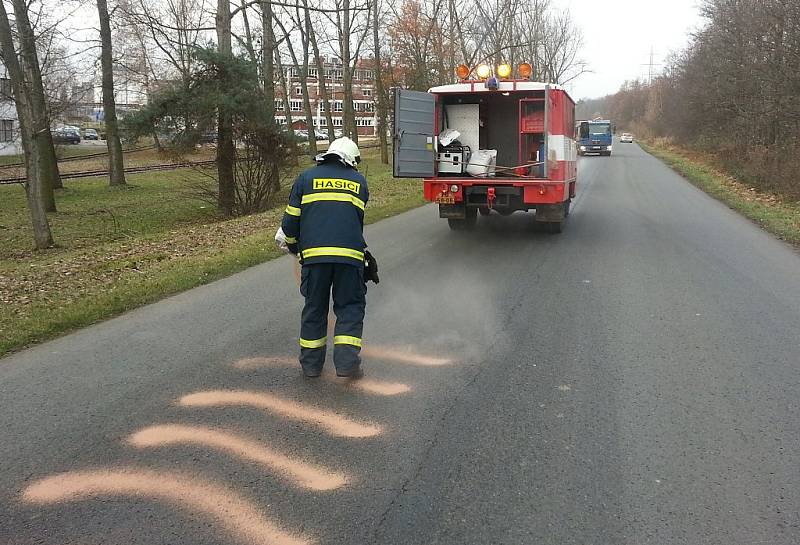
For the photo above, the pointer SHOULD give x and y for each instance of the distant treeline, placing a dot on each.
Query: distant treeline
(734, 91)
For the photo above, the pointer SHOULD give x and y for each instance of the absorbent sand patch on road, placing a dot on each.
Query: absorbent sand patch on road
(298, 472)
(239, 517)
(367, 385)
(328, 421)
(404, 355)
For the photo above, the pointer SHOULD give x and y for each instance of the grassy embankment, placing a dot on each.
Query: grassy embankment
(778, 215)
(120, 248)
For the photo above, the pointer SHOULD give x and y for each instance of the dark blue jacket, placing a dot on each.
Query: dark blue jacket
(324, 221)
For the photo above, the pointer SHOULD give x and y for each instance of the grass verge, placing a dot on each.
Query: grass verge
(777, 215)
(161, 241)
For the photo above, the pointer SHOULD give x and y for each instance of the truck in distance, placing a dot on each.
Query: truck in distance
(595, 136)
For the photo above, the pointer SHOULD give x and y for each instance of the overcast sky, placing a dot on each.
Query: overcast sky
(618, 35)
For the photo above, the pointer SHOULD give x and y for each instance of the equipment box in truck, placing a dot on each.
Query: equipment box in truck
(489, 144)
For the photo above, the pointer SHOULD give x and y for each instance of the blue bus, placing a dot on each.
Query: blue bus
(595, 136)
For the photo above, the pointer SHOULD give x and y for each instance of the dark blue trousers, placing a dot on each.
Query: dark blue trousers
(346, 282)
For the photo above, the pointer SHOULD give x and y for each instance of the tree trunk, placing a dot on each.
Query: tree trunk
(379, 98)
(268, 71)
(46, 161)
(312, 131)
(303, 77)
(322, 85)
(267, 57)
(226, 199)
(116, 166)
(55, 175)
(347, 76)
(42, 235)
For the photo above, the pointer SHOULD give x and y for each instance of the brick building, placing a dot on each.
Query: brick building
(363, 96)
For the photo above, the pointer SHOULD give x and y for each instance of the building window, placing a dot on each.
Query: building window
(295, 105)
(298, 91)
(338, 106)
(337, 122)
(279, 104)
(366, 92)
(365, 122)
(364, 106)
(322, 122)
(312, 72)
(6, 130)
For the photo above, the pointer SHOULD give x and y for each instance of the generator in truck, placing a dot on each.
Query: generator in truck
(491, 142)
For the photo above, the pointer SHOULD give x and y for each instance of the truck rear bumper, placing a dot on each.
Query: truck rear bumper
(511, 194)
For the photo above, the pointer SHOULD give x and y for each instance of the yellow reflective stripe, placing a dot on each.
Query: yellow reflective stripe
(291, 240)
(315, 343)
(332, 251)
(341, 197)
(292, 210)
(347, 339)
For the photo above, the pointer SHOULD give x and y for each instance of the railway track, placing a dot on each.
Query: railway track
(128, 170)
(81, 157)
(104, 172)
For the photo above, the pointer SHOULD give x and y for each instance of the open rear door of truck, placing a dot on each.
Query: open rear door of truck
(413, 140)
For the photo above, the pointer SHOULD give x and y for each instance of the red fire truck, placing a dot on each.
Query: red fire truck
(489, 142)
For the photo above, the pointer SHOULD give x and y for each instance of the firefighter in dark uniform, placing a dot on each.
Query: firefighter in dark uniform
(323, 225)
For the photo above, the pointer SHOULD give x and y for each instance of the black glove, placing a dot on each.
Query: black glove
(370, 268)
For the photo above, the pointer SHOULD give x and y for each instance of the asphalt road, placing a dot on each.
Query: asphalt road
(633, 380)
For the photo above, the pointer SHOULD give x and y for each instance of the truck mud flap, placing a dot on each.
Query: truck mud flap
(551, 212)
(453, 211)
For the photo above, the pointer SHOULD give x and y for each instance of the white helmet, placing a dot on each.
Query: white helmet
(345, 150)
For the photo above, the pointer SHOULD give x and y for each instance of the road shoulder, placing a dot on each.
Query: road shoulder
(772, 213)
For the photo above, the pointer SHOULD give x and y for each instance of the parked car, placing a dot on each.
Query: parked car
(301, 135)
(91, 134)
(626, 138)
(66, 135)
(320, 135)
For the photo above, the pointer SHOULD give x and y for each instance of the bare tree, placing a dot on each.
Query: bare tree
(379, 91)
(31, 83)
(322, 84)
(31, 145)
(225, 146)
(301, 69)
(351, 23)
(116, 166)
